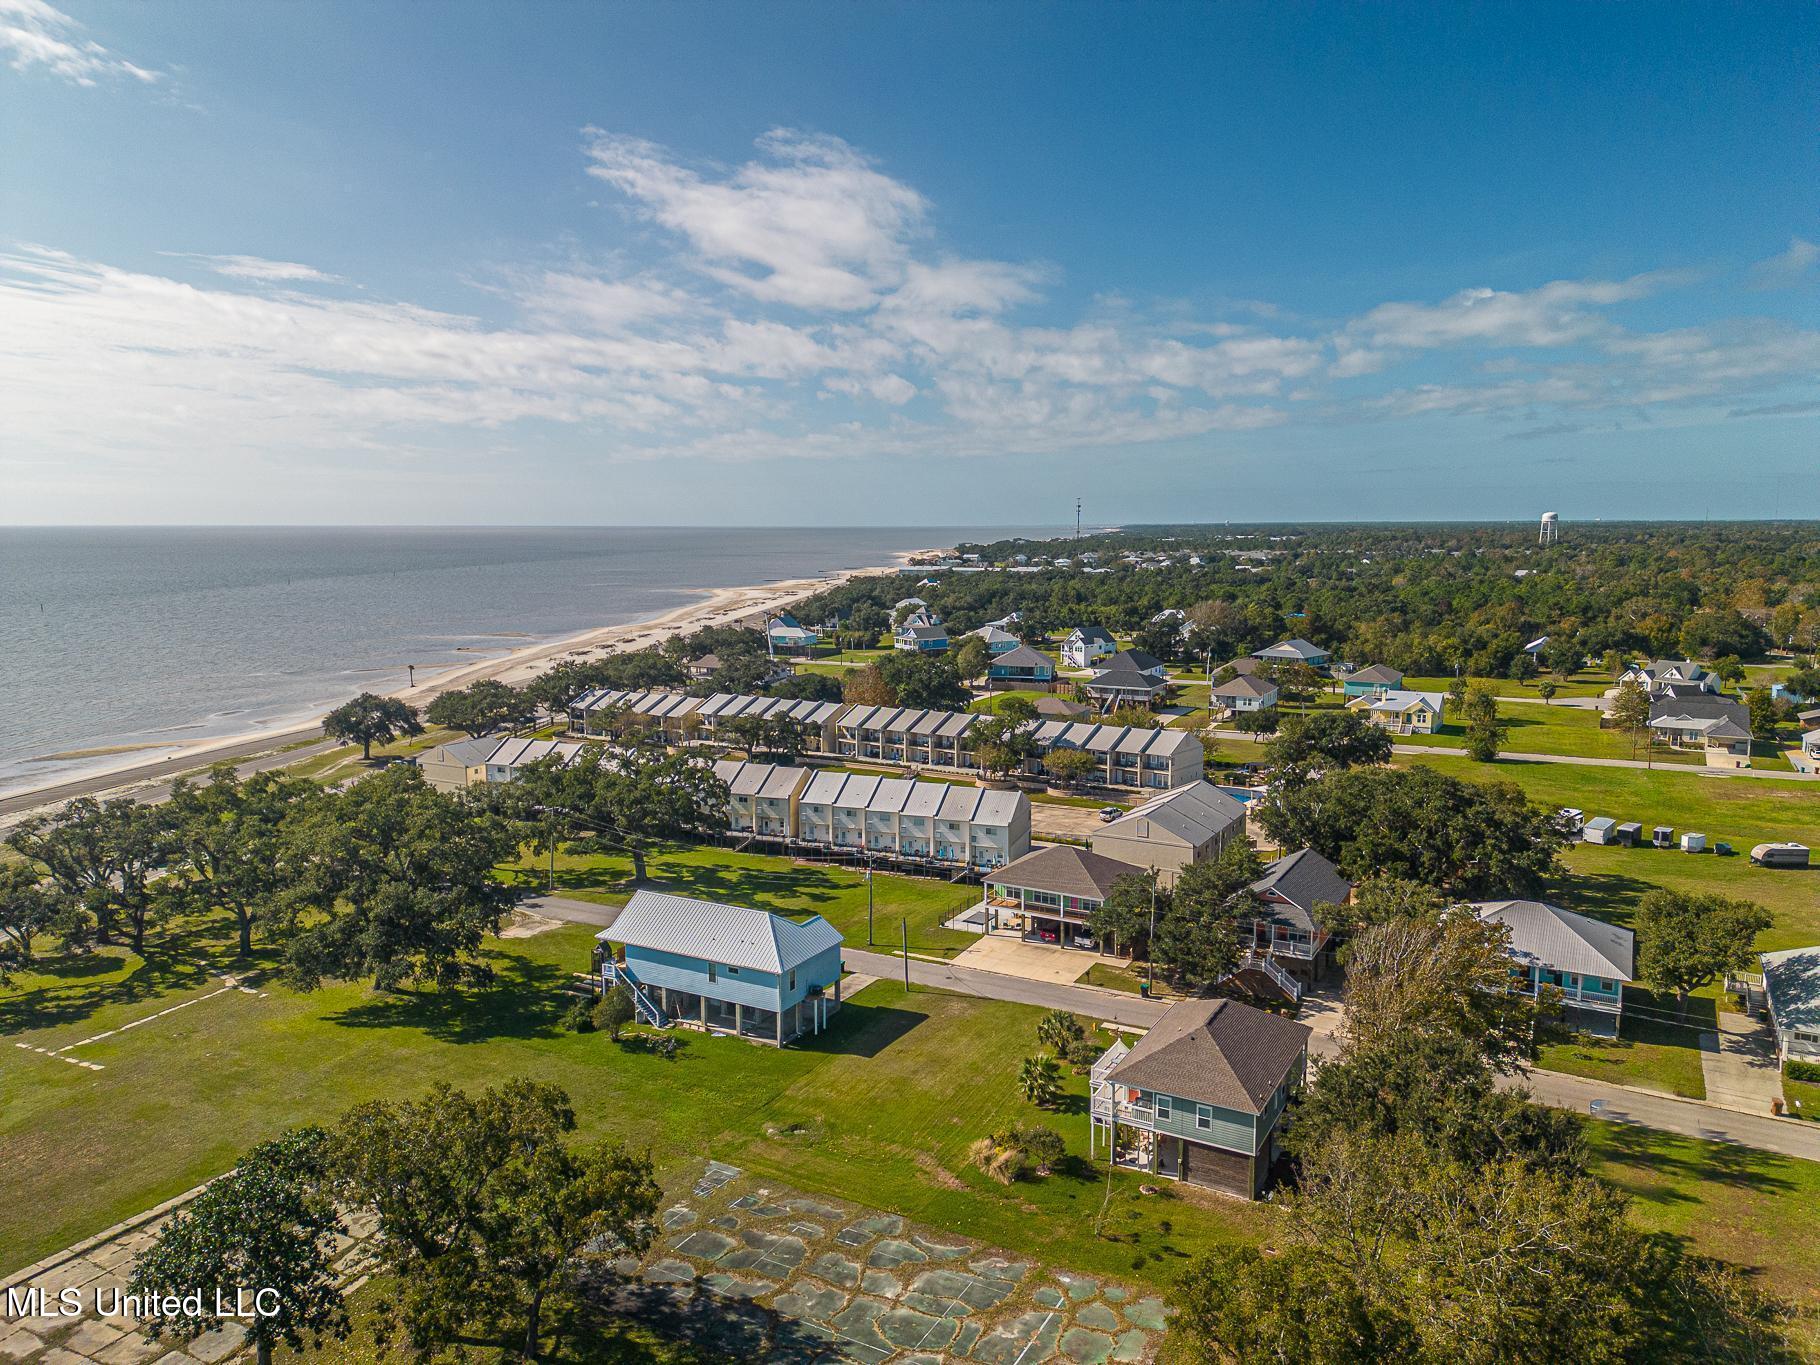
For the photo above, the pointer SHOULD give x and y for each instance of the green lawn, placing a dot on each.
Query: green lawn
(1655, 1049)
(337, 765)
(1606, 882)
(1583, 684)
(1802, 1098)
(1751, 1207)
(992, 701)
(1537, 728)
(880, 1109)
(838, 894)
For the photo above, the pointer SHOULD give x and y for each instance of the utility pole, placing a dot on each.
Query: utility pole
(868, 900)
(550, 838)
(906, 928)
(1150, 942)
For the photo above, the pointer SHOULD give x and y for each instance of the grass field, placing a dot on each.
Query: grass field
(881, 1108)
(1802, 1098)
(1606, 882)
(838, 894)
(1582, 684)
(1655, 1047)
(1536, 728)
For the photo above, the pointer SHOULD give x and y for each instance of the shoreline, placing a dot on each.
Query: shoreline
(710, 607)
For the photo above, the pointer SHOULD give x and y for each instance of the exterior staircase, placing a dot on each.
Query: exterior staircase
(1257, 973)
(617, 973)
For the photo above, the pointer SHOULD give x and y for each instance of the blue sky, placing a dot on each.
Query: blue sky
(799, 263)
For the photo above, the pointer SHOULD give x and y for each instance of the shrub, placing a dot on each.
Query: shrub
(614, 1011)
(1021, 1149)
(579, 1017)
(1804, 1071)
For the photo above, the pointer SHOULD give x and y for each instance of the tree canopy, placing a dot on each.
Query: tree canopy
(371, 719)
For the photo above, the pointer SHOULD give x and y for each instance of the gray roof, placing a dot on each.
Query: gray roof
(924, 632)
(1022, 657)
(1305, 879)
(1375, 673)
(992, 635)
(1217, 1052)
(1137, 659)
(1245, 685)
(1291, 649)
(1560, 939)
(1193, 814)
(1397, 701)
(1122, 675)
(1093, 634)
(1793, 981)
(735, 935)
(1064, 870)
(1059, 706)
(470, 753)
(1706, 713)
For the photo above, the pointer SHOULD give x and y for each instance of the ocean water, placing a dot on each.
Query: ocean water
(151, 636)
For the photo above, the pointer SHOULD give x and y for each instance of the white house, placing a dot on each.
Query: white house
(1245, 692)
(1791, 983)
(1087, 645)
(1661, 674)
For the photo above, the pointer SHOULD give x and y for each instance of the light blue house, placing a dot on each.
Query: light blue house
(1021, 666)
(920, 639)
(1586, 959)
(723, 968)
(1365, 682)
(785, 632)
(998, 640)
(1200, 1098)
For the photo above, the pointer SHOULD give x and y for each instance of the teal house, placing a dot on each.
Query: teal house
(1021, 667)
(1585, 959)
(1200, 1098)
(722, 968)
(1365, 682)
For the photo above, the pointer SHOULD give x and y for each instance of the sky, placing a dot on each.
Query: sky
(841, 263)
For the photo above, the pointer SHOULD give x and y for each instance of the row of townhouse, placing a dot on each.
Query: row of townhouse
(470, 762)
(895, 818)
(1131, 756)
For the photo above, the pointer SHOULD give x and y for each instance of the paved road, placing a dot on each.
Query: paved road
(1691, 1118)
(146, 784)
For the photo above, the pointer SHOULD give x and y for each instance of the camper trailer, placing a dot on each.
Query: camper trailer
(1779, 855)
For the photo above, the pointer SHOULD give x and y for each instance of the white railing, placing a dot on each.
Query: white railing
(615, 973)
(1258, 962)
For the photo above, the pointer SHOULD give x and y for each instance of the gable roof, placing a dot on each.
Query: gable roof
(1137, 659)
(1374, 673)
(924, 632)
(1064, 870)
(1559, 938)
(1121, 672)
(1397, 702)
(1096, 635)
(1217, 1052)
(1021, 657)
(1193, 814)
(1305, 879)
(735, 935)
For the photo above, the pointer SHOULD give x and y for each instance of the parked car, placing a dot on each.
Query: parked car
(1779, 855)
(1110, 813)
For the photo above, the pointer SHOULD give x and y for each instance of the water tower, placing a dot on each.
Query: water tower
(1551, 529)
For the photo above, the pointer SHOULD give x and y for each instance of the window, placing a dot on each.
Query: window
(793, 978)
(713, 975)
(1162, 1106)
(1203, 1117)
(1605, 985)
(732, 971)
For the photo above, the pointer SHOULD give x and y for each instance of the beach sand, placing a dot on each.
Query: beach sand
(143, 766)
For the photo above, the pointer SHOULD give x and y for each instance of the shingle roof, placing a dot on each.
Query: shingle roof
(735, 935)
(1291, 649)
(1195, 814)
(1244, 685)
(1092, 634)
(1064, 870)
(1305, 879)
(1563, 940)
(1137, 659)
(1375, 673)
(1217, 1052)
(1022, 657)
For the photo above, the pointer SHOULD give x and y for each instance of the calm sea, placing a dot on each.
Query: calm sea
(129, 636)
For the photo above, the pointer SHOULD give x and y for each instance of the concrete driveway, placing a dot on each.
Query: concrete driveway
(1031, 961)
(1739, 1064)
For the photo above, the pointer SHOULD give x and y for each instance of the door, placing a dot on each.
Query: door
(1169, 1157)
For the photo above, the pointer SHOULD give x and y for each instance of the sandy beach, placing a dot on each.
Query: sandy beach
(142, 767)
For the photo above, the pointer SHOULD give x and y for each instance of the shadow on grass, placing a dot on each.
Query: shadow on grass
(1676, 1161)
(522, 1002)
(183, 955)
(1610, 896)
(862, 1030)
(703, 1328)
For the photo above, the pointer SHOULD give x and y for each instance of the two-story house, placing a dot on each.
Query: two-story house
(920, 639)
(1286, 930)
(1023, 667)
(1364, 682)
(787, 635)
(1660, 674)
(1085, 646)
(1586, 959)
(1191, 824)
(722, 968)
(1200, 1098)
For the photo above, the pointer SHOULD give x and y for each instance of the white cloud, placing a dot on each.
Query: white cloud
(257, 267)
(34, 34)
(1556, 314)
(1786, 268)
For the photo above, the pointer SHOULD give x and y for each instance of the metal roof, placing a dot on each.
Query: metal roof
(1557, 938)
(1792, 979)
(734, 935)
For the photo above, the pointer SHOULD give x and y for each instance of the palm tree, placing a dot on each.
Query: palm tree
(1039, 1078)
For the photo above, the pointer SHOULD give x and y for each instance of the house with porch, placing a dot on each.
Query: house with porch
(1364, 682)
(1049, 894)
(1660, 674)
(1084, 646)
(1791, 988)
(1286, 930)
(1200, 1097)
(1123, 683)
(1021, 667)
(1586, 959)
(1188, 825)
(920, 639)
(1295, 652)
(1244, 692)
(1716, 727)
(722, 968)
(787, 635)
(1403, 713)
